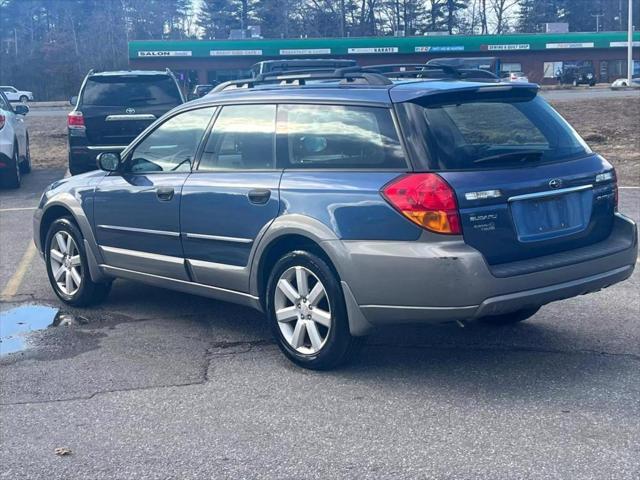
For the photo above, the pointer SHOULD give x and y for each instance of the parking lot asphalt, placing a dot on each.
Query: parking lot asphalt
(156, 384)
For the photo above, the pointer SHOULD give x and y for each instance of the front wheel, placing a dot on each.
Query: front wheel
(510, 318)
(307, 313)
(67, 266)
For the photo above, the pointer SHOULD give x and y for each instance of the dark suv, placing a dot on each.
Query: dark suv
(338, 202)
(113, 108)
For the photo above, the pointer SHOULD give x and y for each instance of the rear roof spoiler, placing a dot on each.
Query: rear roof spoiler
(399, 94)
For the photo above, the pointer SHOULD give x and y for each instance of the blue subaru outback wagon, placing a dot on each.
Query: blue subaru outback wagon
(335, 202)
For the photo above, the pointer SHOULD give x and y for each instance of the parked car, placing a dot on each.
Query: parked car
(377, 203)
(15, 95)
(200, 91)
(15, 156)
(578, 76)
(515, 77)
(112, 108)
(624, 83)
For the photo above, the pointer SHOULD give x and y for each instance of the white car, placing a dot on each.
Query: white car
(15, 95)
(624, 83)
(15, 157)
(517, 77)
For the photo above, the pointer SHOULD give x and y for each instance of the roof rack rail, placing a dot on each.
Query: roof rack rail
(349, 74)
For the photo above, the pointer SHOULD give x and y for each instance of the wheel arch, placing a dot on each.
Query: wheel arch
(286, 234)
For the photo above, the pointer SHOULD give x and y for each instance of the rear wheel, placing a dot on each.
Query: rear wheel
(25, 165)
(510, 318)
(24, 99)
(67, 267)
(307, 313)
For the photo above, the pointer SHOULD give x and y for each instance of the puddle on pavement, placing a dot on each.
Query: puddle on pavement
(16, 325)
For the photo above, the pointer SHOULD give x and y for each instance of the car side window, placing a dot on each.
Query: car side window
(172, 146)
(242, 138)
(337, 137)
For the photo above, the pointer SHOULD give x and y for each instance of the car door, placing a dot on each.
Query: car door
(17, 124)
(137, 211)
(231, 197)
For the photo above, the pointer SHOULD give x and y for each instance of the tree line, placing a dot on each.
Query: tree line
(48, 45)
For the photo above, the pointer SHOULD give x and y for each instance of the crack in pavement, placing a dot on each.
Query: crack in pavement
(209, 354)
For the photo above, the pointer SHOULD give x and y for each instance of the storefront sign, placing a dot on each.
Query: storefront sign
(509, 46)
(235, 53)
(165, 53)
(373, 50)
(571, 45)
(305, 51)
(624, 44)
(440, 48)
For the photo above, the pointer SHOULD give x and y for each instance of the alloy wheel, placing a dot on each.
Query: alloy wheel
(66, 265)
(302, 310)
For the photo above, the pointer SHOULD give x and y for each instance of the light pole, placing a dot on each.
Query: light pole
(630, 45)
(597, 15)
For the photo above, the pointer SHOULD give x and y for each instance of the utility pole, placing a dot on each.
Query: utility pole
(597, 15)
(630, 45)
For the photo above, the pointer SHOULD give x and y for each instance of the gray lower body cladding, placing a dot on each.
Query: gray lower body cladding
(427, 282)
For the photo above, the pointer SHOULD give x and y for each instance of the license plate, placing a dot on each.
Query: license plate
(550, 217)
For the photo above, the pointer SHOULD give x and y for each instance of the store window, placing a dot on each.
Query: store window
(551, 69)
(511, 67)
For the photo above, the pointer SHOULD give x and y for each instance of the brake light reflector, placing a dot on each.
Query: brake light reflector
(427, 200)
(3, 119)
(75, 120)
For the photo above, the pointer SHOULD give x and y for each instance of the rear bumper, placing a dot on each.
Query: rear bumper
(427, 282)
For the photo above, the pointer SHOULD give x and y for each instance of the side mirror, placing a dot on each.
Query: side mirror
(109, 161)
(21, 109)
(73, 100)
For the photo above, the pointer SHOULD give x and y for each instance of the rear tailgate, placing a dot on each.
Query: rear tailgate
(117, 125)
(526, 184)
(535, 211)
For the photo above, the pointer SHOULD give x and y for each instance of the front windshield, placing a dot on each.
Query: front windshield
(498, 132)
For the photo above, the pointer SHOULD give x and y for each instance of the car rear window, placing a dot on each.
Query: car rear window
(337, 137)
(469, 132)
(131, 91)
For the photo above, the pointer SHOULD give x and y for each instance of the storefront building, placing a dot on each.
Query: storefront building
(539, 56)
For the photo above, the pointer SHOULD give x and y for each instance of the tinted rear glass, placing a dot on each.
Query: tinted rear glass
(489, 132)
(131, 91)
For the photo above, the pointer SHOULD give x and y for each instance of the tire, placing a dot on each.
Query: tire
(12, 177)
(24, 99)
(77, 290)
(316, 345)
(510, 318)
(25, 165)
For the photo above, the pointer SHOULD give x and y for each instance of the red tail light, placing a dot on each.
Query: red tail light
(3, 119)
(427, 200)
(75, 120)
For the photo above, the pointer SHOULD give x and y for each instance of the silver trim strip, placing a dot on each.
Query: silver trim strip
(141, 254)
(106, 148)
(411, 307)
(139, 230)
(549, 193)
(109, 268)
(133, 116)
(217, 238)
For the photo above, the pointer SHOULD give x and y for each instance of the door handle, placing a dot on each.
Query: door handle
(164, 193)
(259, 196)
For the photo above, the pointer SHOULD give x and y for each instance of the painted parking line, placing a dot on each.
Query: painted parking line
(629, 187)
(13, 285)
(16, 209)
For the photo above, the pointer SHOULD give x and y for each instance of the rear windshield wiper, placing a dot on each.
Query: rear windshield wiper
(519, 154)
